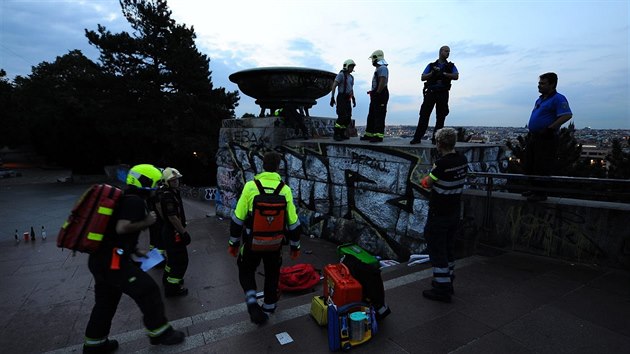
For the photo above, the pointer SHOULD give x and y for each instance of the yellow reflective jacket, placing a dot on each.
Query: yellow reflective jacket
(245, 203)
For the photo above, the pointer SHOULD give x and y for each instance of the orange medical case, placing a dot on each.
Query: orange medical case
(340, 286)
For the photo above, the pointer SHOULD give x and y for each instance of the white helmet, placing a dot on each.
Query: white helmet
(347, 63)
(170, 173)
(377, 55)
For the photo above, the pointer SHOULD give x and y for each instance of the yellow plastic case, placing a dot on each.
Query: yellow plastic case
(319, 310)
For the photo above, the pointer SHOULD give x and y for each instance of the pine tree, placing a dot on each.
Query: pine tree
(61, 113)
(163, 92)
(619, 162)
(569, 151)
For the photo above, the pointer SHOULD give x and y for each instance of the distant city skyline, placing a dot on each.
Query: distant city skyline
(597, 137)
(499, 47)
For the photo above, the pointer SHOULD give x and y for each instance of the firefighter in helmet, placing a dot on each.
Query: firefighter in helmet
(345, 95)
(115, 273)
(176, 238)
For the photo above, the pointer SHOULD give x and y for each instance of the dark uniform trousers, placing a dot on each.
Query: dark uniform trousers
(439, 99)
(109, 285)
(177, 261)
(344, 110)
(375, 125)
(249, 261)
(439, 232)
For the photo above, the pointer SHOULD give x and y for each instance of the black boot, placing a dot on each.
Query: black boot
(173, 290)
(439, 292)
(448, 289)
(338, 135)
(108, 346)
(256, 314)
(169, 337)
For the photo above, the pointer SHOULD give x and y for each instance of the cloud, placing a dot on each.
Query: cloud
(500, 48)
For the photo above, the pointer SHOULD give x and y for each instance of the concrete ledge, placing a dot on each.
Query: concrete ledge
(571, 229)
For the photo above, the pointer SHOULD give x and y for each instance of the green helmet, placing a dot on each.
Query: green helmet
(144, 176)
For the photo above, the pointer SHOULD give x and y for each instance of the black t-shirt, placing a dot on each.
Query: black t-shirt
(130, 207)
(450, 171)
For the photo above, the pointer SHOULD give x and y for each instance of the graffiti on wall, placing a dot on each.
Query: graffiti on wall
(201, 193)
(553, 231)
(373, 190)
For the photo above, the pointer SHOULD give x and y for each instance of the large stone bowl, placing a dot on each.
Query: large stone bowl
(277, 87)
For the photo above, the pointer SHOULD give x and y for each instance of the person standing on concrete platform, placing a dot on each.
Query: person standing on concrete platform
(379, 96)
(176, 238)
(437, 76)
(446, 182)
(551, 110)
(263, 245)
(17, 238)
(43, 233)
(115, 273)
(345, 96)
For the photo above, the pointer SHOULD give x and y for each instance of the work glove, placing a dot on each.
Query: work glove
(332, 101)
(425, 182)
(182, 239)
(233, 248)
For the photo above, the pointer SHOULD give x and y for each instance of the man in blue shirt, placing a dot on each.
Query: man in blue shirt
(550, 112)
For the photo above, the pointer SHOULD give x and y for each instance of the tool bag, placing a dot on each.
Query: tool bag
(85, 228)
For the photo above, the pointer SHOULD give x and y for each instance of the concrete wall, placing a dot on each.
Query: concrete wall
(576, 230)
(348, 191)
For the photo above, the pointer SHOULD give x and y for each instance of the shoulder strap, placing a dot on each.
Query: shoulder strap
(279, 188)
(260, 187)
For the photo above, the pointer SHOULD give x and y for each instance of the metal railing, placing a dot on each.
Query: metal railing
(599, 189)
(603, 189)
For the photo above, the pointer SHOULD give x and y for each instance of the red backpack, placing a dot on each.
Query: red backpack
(298, 277)
(85, 228)
(268, 219)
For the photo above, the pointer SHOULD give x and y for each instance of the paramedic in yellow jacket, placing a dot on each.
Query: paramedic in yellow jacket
(264, 242)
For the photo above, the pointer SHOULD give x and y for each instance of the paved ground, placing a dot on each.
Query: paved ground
(504, 302)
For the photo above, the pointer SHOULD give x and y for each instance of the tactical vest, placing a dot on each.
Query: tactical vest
(433, 80)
